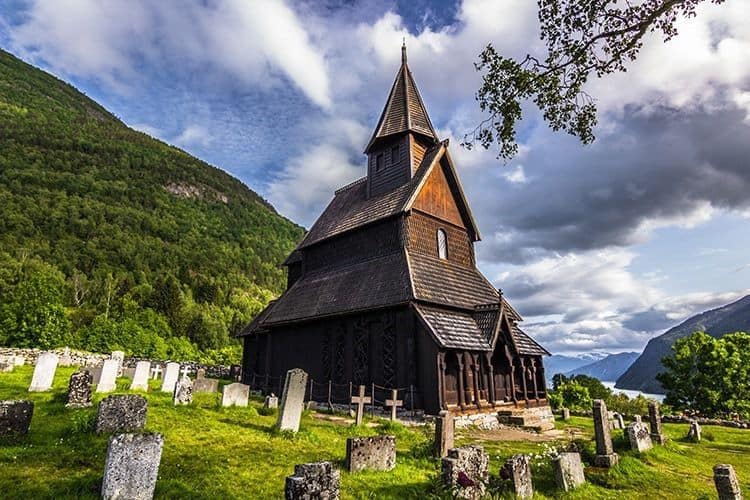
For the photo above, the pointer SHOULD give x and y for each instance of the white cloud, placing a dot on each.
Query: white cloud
(193, 135)
(516, 176)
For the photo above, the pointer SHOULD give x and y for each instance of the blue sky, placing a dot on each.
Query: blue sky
(600, 247)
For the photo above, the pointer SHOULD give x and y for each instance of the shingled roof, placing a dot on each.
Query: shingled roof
(525, 344)
(404, 111)
(453, 329)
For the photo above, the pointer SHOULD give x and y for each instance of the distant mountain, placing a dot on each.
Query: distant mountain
(608, 369)
(563, 364)
(641, 376)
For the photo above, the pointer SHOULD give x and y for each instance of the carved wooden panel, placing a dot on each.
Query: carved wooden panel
(361, 352)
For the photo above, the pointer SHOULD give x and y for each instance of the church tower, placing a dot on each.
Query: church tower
(403, 134)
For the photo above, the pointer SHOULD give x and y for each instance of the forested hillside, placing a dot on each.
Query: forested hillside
(111, 239)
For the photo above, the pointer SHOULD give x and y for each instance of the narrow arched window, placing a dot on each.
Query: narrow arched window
(442, 243)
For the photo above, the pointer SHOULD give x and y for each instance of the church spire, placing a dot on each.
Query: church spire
(404, 110)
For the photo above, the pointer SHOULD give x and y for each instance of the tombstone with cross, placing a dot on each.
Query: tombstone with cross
(185, 371)
(360, 400)
(394, 403)
(156, 372)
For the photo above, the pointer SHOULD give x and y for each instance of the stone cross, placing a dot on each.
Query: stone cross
(185, 371)
(361, 400)
(394, 403)
(156, 372)
(727, 485)
(654, 422)
(605, 454)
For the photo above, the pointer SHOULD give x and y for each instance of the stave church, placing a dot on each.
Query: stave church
(384, 287)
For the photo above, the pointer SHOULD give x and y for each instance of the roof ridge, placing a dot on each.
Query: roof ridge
(350, 185)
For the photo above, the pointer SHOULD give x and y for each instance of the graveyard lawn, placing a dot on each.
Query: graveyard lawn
(215, 452)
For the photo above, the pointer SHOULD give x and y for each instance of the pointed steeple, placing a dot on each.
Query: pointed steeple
(404, 111)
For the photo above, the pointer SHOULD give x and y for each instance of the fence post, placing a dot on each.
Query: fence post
(411, 398)
(349, 402)
(310, 397)
(372, 399)
(330, 404)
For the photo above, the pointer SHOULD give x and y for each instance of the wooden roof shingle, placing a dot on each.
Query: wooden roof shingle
(453, 329)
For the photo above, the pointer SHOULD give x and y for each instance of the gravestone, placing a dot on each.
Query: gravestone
(128, 372)
(654, 422)
(271, 401)
(318, 480)
(727, 485)
(566, 414)
(183, 392)
(444, 433)
(185, 371)
(79, 389)
(235, 373)
(6, 365)
(118, 356)
(120, 413)
(171, 374)
(619, 421)
(132, 466)
(568, 470)
(140, 376)
(639, 438)
(637, 418)
(518, 471)
(694, 432)
(156, 372)
(19, 360)
(200, 373)
(393, 403)
(96, 373)
(360, 400)
(206, 385)
(371, 453)
(235, 394)
(15, 417)
(605, 454)
(44, 372)
(465, 471)
(108, 379)
(292, 400)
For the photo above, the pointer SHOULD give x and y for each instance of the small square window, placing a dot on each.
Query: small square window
(379, 162)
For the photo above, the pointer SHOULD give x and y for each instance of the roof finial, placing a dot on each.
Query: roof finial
(403, 52)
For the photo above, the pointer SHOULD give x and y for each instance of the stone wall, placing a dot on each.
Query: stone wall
(682, 419)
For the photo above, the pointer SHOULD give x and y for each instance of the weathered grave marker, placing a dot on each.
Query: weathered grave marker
(19, 360)
(79, 389)
(318, 480)
(639, 438)
(235, 373)
(566, 414)
(619, 421)
(371, 453)
(15, 417)
(170, 377)
(200, 373)
(140, 376)
(121, 412)
(183, 391)
(694, 432)
(96, 373)
(727, 485)
(271, 401)
(292, 400)
(568, 470)
(605, 454)
(44, 372)
(65, 359)
(185, 371)
(156, 372)
(654, 422)
(6, 366)
(393, 403)
(444, 433)
(235, 394)
(360, 400)
(465, 471)
(108, 378)
(518, 470)
(132, 466)
(205, 385)
(118, 356)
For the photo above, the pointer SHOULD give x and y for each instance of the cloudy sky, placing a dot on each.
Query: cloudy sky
(599, 247)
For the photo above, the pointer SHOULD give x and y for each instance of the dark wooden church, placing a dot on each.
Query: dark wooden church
(384, 287)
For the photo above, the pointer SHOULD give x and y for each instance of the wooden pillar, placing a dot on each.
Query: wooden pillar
(523, 378)
(461, 402)
(441, 380)
(469, 397)
(533, 377)
(490, 378)
(475, 369)
(510, 359)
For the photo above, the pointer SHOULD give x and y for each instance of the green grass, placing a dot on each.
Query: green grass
(214, 452)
